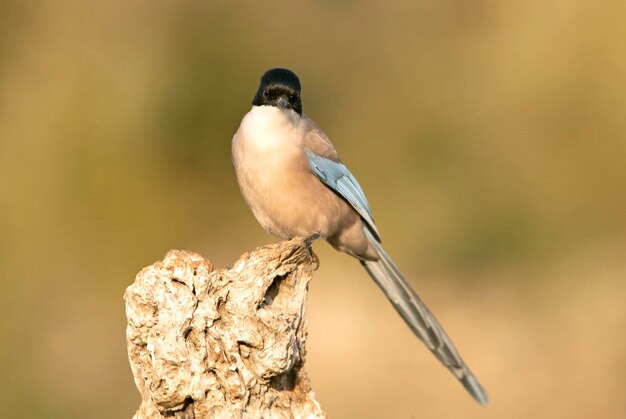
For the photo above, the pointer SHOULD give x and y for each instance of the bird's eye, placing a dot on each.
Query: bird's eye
(266, 94)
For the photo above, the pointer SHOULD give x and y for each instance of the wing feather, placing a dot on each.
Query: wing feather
(336, 176)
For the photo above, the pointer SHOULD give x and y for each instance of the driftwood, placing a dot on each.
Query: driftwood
(206, 342)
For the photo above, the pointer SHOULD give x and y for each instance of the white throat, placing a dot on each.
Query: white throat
(268, 126)
(272, 118)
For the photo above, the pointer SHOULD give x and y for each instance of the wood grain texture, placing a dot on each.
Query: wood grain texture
(205, 342)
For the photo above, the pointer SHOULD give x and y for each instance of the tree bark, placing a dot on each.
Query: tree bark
(205, 342)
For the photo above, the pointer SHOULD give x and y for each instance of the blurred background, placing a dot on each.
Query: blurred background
(489, 136)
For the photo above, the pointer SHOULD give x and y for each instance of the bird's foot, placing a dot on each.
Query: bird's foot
(309, 241)
(315, 260)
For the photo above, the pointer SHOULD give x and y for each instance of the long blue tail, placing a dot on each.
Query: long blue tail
(419, 318)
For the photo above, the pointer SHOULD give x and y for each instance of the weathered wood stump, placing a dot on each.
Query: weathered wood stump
(206, 342)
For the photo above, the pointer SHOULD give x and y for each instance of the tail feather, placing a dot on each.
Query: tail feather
(419, 318)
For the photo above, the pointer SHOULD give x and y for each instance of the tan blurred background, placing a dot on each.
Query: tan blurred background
(489, 136)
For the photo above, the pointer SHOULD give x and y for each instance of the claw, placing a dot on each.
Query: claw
(315, 259)
(309, 241)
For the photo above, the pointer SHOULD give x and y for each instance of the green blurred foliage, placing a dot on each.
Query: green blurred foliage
(489, 136)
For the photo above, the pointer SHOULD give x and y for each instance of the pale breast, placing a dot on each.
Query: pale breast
(275, 179)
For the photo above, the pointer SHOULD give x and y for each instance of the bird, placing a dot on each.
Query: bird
(293, 180)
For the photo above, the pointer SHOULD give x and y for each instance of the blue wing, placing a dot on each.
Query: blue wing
(337, 177)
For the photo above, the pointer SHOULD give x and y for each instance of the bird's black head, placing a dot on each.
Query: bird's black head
(280, 88)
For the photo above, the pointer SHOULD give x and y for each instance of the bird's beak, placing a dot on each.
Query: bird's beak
(283, 102)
